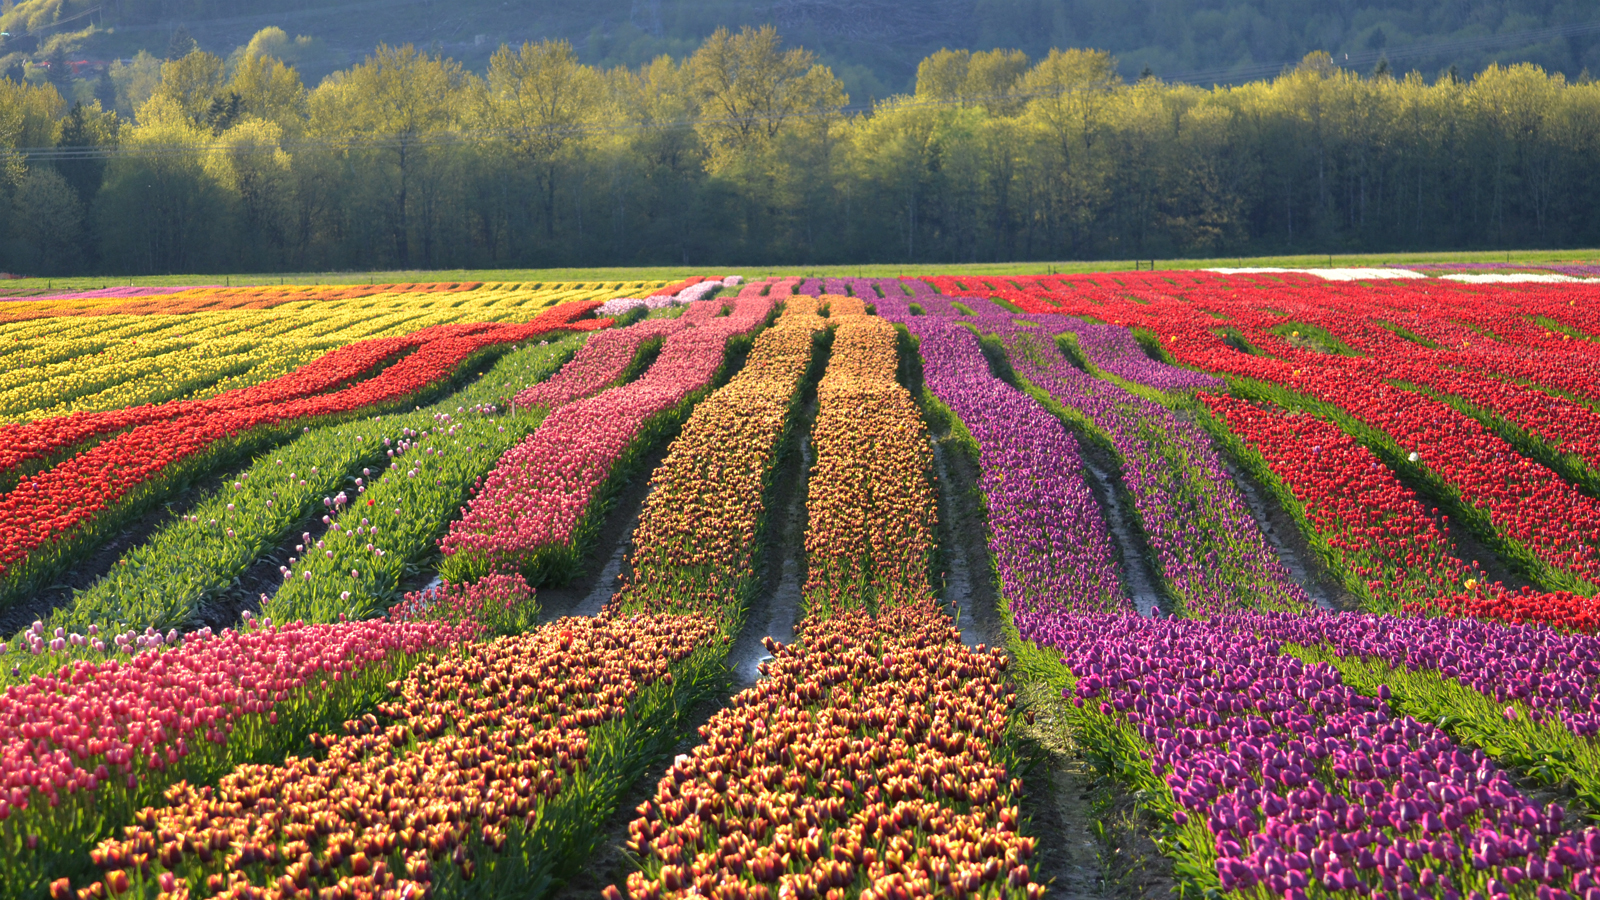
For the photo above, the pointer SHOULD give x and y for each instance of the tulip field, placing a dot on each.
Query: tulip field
(766, 590)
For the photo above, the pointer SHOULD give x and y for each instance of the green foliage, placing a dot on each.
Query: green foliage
(744, 149)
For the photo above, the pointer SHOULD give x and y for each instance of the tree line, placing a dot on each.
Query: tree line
(747, 151)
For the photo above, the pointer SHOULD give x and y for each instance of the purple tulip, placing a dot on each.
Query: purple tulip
(1299, 780)
(1049, 541)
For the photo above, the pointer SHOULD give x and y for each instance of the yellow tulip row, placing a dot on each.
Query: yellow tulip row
(49, 367)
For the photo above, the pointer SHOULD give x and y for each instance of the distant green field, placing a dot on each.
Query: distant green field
(30, 286)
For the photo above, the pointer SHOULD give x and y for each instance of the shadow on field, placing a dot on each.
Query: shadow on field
(1092, 841)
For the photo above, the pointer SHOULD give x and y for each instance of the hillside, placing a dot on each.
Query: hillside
(874, 45)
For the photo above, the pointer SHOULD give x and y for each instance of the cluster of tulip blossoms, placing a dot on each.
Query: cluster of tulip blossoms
(455, 747)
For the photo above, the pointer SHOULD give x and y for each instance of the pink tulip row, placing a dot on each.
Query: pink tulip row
(543, 493)
(81, 750)
(499, 604)
(602, 360)
(777, 288)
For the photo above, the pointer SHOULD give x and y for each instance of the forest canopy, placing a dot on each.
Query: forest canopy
(748, 149)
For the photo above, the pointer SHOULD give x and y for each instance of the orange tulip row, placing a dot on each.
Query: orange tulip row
(446, 784)
(871, 507)
(696, 545)
(871, 761)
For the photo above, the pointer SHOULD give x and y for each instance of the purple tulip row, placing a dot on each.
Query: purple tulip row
(1048, 539)
(1209, 548)
(1109, 348)
(1301, 783)
(1552, 675)
(895, 303)
(1304, 784)
(1112, 349)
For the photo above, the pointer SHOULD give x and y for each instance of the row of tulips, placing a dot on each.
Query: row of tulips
(51, 517)
(1523, 694)
(871, 761)
(1282, 780)
(1375, 531)
(1208, 548)
(44, 439)
(893, 298)
(473, 298)
(779, 289)
(365, 338)
(377, 533)
(163, 581)
(607, 359)
(487, 772)
(61, 364)
(547, 494)
(87, 746)
(698, 543)
(1047, 536)
(1452, 361)
(496, 605)
(44, 342)
(1104, 349)
(1529, 696)
(1547, 525)
(355, 568)
(176, 371)
(1505, 333)
(871, 508)
(199, 298)
(1468, 371)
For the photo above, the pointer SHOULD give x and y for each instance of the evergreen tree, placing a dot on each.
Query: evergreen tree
(181, 44)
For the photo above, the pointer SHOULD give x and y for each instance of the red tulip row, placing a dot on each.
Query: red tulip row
(1555, 525)
(870, 761)
(547, 493)
(1509, 331)
(871, 507)
(1460, 363)
(485, 766)
(1377, 531)
(86, 747)
(47, 514)
(697, 544)
(24, 442)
